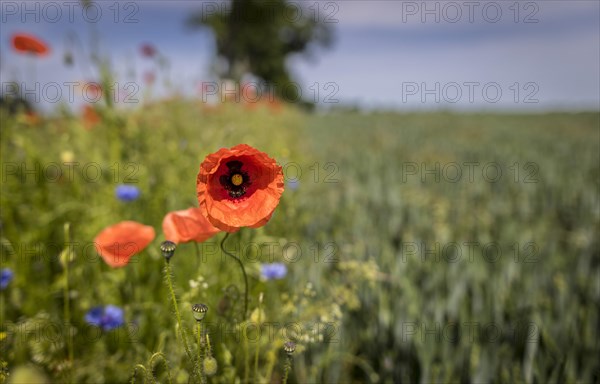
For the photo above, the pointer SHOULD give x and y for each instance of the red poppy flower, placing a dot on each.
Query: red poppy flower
(275, 105)
(148, 50)
(239, 187)
(92, 91)
(32, 118)
(90, 117)
(188, 225)
(24, 43)
(118, 243)
(149, 78)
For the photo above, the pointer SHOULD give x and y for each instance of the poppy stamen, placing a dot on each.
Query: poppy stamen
(235, 181)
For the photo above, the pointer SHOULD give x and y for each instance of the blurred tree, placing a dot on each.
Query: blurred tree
(15, 105)
(256, 36)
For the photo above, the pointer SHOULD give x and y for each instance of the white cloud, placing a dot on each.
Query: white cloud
(410, 14)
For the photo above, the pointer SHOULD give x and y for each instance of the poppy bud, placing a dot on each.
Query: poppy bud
(68, 59)
(210, 366)
(289, 347)
(168, 249)
(199, 311)
(28, 44)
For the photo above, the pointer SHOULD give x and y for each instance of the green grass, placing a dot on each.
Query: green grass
(394, 275)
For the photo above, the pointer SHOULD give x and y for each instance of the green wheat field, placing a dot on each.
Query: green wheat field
(420, 248)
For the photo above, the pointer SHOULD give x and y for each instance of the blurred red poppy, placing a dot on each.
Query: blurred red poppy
(24, 43)
(275, 105)
(239, 187)
(149, 78)
(90, 117)
(92, 91)
(32, 118)
(250, 96)
(249, 93)
(118, 243)
(188, 225)
(148, 50)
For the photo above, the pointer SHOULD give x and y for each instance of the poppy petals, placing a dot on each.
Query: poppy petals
(118, 243)
(148, 50)
(239, 187)
(188, 225)
(25, 43)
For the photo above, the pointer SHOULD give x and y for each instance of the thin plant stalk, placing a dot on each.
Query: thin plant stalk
(67, 305)
(176, 307)
(246, 356)
(289, 348)
(164, 360)
(286, 369)
(200, 352)
(260, 300)
(198, 256)
(243, 272)
(134, 373)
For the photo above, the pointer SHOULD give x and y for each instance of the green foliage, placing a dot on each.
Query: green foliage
(532, 311)
(382, 312)
(256, 37)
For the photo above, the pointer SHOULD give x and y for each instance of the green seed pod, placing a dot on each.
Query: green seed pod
(168, 249)
(68, 59)
(289, 347)
(199, 311)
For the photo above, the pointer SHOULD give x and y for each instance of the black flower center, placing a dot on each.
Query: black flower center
(235, 181)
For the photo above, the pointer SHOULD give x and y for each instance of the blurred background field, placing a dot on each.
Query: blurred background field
(392, 306)
(427, 233)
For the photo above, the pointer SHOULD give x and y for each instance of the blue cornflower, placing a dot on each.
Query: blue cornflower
(126, 192)
(107, 318)
(293, 184)
(5, 277)
(273, 271)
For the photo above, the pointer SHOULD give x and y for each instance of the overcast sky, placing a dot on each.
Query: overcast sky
(490, 55)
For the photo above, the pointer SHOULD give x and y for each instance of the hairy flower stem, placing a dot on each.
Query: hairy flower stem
(176, 307)
(67, 305)
(200, 351)
(243, 272)
(246, 357)
(286, 369)
(260, 300)
(134, 373)
(166, 364)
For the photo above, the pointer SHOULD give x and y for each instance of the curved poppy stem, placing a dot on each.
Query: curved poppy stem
(243, 272)
(198, 255)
